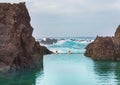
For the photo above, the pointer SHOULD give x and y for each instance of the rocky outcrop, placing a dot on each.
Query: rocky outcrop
(105, 48)
(45, 50)
(101, 49)
(117, 42)
(48, 41)
(18, 49)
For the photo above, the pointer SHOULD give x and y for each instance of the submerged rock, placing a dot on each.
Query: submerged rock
(105, 48)
(18, 49)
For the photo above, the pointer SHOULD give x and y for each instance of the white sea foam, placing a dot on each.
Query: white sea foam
(44, 39)
(73, 45)
(60, 42)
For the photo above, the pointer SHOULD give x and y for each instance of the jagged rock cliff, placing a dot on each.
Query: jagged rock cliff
(18, 49)
(105, 48)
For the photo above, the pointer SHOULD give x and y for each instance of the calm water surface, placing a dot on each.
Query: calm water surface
(64, 69)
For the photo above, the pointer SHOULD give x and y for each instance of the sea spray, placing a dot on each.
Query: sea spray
(75, 45)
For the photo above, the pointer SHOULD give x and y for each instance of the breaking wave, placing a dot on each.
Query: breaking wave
(73, 45)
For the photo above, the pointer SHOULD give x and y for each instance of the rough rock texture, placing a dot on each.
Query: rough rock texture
(102, 48)
(117, 42)
(18, 49)
(105, 48)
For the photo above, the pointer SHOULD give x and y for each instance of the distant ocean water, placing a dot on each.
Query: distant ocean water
(73, 44)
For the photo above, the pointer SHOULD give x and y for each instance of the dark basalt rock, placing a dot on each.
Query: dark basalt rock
(105, 48)
(18, 49)
(48, 41)
(46, 51)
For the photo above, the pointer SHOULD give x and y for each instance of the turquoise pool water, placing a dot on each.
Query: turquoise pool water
(67, 69)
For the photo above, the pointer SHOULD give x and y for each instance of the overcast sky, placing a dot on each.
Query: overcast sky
(64, 18)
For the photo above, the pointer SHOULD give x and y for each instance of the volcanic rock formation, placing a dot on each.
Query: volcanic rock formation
(48, 41)
(105, 48)
(18, 49)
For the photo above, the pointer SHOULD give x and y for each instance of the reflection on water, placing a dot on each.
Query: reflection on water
(76, 69)
(20, 78)
(64, 69)
(107, 72)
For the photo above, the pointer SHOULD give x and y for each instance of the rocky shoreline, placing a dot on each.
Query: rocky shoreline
(18, 48)
(105, 48)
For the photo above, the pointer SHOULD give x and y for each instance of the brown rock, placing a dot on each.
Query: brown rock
(105, 48)
(101, 49)
(89, 50)
(117, 42)
(18, 49)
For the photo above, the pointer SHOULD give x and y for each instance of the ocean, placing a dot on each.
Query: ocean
(75, 45)
(68, 69)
